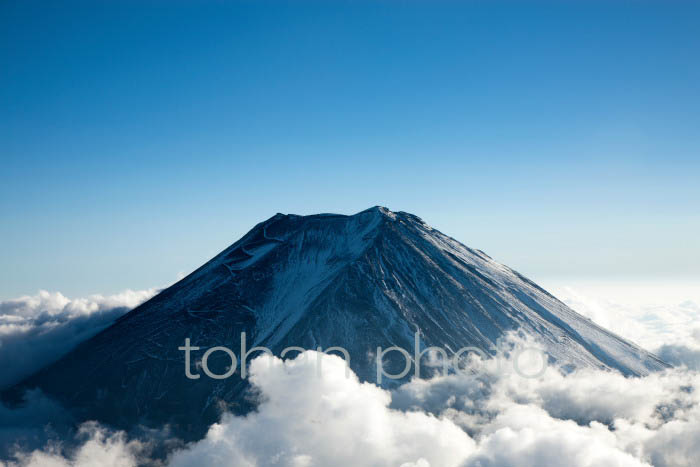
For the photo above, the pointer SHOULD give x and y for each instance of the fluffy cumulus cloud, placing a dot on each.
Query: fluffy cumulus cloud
(330, 419)
(100, 448)
(35, 330)
(529, 436)
(588, 417)
(486, 415)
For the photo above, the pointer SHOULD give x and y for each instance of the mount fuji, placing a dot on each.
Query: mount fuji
(362, 281)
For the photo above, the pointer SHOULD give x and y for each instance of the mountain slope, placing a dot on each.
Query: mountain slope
(359, 282)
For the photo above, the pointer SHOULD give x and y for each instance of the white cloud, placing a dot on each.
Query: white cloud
(647, 322)
(664, 318)
(585, 419)
(489, 417)
(589, 417)
(329, 419)
(36, 330)
(525, 435)
(100, 449)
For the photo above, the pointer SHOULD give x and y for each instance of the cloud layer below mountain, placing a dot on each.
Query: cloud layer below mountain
(488, 416)
(662, 317)
(485, 418)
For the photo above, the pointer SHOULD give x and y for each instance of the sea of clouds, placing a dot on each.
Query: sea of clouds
(486, 417)
(663, 317)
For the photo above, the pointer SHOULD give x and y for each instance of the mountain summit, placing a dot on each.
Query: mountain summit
(362, 281)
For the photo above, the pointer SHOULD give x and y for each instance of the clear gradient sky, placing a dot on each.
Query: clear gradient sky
(138, 139)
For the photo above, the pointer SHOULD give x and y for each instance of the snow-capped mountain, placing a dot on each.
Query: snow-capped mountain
(361, 281)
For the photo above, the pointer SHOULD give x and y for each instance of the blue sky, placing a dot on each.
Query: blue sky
(138, 139)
